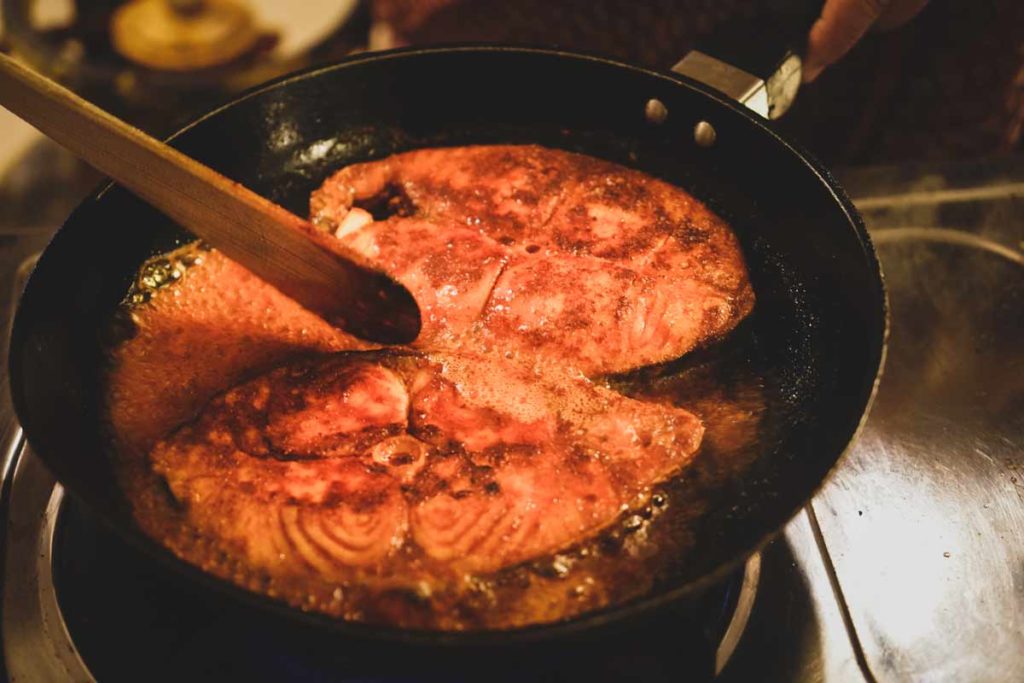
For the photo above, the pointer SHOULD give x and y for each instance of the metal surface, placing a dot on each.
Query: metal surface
(833, 653)
(745, 88)
(741, 613)
(783, 84)
(796, 632)
(36, 643)
(704, 134)
(924, 521)
(655, 111)
(771, 99)
(933, 493)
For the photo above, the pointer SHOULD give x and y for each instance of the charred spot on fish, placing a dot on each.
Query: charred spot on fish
(431, 434)
(532, 248)
(391, 202)
(247, 487)
(401, 459)
(293, 456)
(573, 245)
(711, 318)
(451, 448)
(623, 307)
(492, 488)
(691, 235)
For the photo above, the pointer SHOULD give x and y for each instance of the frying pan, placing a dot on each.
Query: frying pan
(819, 324)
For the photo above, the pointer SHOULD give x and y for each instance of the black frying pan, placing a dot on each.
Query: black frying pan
(818, 329)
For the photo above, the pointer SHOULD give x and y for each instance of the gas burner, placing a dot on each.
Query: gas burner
(72, 588)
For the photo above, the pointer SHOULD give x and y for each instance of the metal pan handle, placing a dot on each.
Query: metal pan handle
(757, 63)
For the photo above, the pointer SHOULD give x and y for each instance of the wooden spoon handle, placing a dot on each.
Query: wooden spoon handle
(274, 243)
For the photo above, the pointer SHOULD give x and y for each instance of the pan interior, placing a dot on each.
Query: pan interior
(797, 375)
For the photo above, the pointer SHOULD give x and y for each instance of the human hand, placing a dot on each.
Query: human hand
(843, 22)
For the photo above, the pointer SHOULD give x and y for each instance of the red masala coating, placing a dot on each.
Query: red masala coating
(416, 468)
(599, 266)
(485, 447)
(199, 336)
(450, 272)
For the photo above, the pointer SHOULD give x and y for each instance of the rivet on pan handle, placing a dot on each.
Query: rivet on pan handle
(757, 64)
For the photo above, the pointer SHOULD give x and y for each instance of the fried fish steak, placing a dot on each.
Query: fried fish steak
(545, 251)
(346, 473)
(407, 469)
(199, 335)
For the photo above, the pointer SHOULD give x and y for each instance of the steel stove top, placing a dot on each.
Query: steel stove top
(907, 565)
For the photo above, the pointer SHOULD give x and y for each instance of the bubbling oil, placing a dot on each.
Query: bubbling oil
(648, 545)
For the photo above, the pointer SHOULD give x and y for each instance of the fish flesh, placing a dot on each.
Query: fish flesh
(417, 467)
(267, 447)
(543, 251)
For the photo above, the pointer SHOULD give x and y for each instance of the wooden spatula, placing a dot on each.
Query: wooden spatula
(275, 244)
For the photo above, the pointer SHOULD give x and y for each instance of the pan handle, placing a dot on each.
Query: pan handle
(757, 63)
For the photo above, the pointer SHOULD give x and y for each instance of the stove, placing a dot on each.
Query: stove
(907, 565)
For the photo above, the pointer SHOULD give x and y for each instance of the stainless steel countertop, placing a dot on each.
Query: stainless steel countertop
(924, 519)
